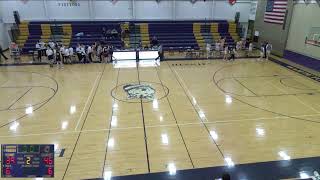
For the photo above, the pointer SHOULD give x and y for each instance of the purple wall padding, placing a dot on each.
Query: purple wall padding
(303, 60)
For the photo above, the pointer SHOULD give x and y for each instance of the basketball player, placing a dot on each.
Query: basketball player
(232, 53)
(222, 43)
(38, 48)
(268, 49)
(83, 54)
(99, 52)
(208, 48)
(49, 53)
(58, 59)
(66, 55)
(89, 52)
(217, 47)
(225, 53)
(71, 54)
(78, 52)
(62, 48)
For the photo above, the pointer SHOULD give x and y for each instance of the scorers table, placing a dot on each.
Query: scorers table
(27, 160)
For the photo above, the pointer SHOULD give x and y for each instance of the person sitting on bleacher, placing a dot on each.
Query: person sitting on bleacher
(238, 45)
(222, 43)
(104, 33)
(114, 33)
(154, 41)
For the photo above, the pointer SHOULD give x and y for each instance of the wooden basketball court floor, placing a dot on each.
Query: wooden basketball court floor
(206, 113)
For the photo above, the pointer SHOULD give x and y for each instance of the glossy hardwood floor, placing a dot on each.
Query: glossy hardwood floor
(206, 113)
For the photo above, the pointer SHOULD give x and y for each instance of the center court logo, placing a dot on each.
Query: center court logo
(137, 91)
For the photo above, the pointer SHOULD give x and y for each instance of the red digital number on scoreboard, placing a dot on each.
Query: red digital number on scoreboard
(7, 171)
(50, 171)
(48, 160)
(10, 160)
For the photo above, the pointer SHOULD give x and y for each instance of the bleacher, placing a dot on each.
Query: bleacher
(173, 35)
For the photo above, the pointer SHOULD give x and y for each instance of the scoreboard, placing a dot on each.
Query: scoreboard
(27, 160)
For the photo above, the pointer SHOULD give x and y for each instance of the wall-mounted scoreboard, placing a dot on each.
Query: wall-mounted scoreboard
(27, 160)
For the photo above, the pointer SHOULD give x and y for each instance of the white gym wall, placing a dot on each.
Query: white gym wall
(124, 9)
(4, 37)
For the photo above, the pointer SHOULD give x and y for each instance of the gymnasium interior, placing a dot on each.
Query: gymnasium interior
(160, 89)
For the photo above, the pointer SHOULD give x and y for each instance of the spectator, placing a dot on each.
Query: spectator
(114, 33)
(104, 32)
(154, 41)
(247, 43)
(238, 45)
(140, 44)
(108, 34)
(226, 176)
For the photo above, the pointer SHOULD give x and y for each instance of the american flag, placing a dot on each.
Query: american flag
(275, 11)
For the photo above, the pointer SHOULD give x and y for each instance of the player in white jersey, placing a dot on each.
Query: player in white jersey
(71, 54)
(67, 55)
